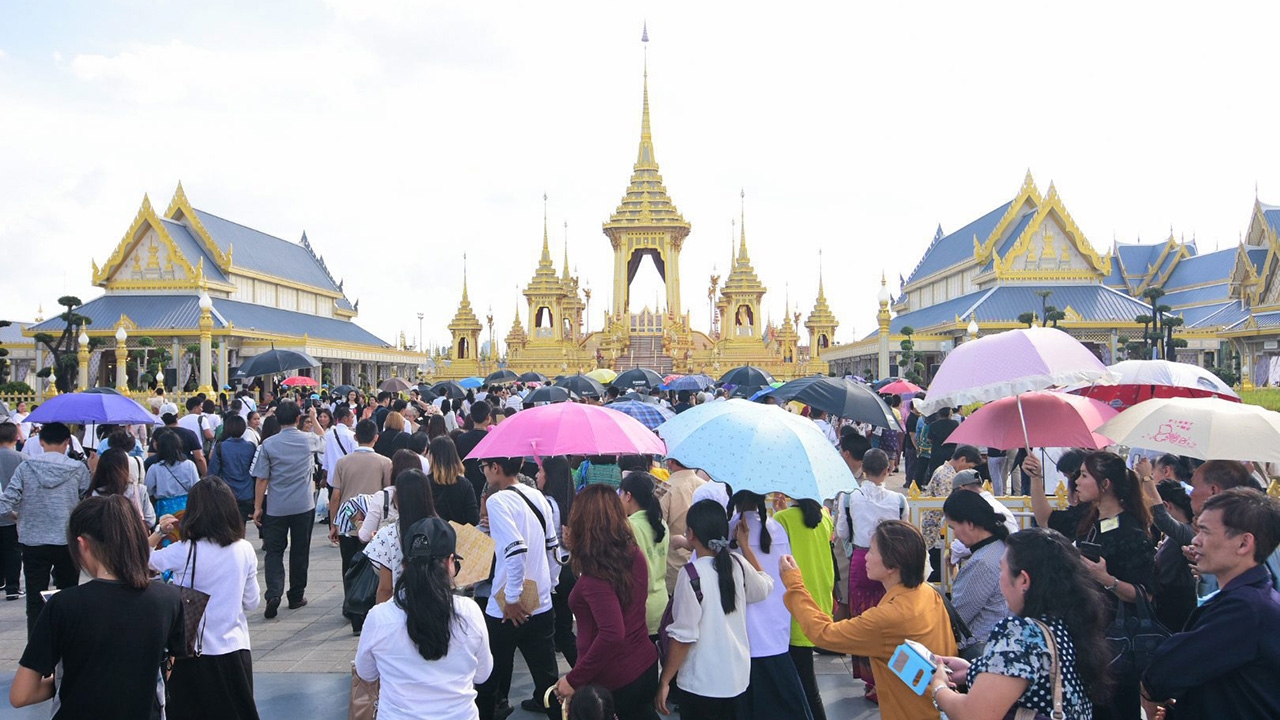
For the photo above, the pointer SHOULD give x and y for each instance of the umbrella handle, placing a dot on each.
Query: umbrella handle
(1026, 439)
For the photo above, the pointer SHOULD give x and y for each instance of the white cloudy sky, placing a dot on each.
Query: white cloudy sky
(401, 133)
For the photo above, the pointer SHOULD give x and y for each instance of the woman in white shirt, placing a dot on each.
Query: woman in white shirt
(213, 558)
(775, 690)
(708, 634)
(428, 647)
(869, 506)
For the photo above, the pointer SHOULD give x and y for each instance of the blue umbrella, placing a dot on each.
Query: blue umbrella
(650, 415)
(695, 383)
(91, 408)
(757, 447)
(471, 383)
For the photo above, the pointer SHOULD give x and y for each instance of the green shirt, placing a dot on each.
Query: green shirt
(811, 547)
(655, 554)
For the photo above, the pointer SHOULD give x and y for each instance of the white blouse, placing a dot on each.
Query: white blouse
(230, 576)
(408, 683)
(871, 505)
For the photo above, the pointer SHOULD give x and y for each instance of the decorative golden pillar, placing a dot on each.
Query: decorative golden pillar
(206, 345)
(53, 384)
(882, 318)
(122, 360)
(82, 378)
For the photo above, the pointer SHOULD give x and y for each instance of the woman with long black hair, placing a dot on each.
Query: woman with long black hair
(214, 558)
(1115, 528)
(109, 635)
(1046, 585)
(413, 502)
(645, 516)
(608, 601)
(708, 633)
(809, 530)
(112, 477)
(775, 689)
(171, 477)
(429, 647)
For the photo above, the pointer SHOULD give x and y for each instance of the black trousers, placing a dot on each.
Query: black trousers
(536, 641)
(634, 701)
(10, 558)
(39, 563)
(699, 707)
(802, 657)
(348, 548)
(212, 687)
(566, 641)
(294, 532)
(775, 691)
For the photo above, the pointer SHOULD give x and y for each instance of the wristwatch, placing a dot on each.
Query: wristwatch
(1115, 582)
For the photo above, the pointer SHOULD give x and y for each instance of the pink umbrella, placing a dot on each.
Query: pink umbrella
(900, 387)
(299, 381)
(569, 429)
(1050, 419)
(1009, 363)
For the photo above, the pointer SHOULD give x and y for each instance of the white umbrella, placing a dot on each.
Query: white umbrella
(1205, 428)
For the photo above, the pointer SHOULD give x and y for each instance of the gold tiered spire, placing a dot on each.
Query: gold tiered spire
(646, 200)
(742, 276)
(544, 280)
(516, 337)
(465, 318)
(821, 323)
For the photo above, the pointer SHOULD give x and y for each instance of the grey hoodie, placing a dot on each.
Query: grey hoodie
(43, 491)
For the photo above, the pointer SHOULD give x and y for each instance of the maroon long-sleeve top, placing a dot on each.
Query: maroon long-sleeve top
(613, 641)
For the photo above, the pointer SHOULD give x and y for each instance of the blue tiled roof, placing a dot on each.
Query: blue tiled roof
(193, 250)
(957, 247)
(1092, 302)
(163, 312)
(1228, 315)
(12, 335)
(1116, 278)
(1170, 258)
(1267, 320)
(1220, 292)
(288, 322)
(258, 251)
(1136, 258)
(1272, 215)
(1197, 316)
(1202, 269)
(1258, 256)
(943, 312)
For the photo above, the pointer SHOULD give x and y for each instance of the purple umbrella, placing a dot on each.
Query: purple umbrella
(1010, 363)
(91, 408)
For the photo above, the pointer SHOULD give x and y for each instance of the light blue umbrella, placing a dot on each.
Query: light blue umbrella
(761, 448)
(471, 383)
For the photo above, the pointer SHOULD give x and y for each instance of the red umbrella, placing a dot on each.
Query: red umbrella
(300, 381)
(900, 387)
(1040, 418)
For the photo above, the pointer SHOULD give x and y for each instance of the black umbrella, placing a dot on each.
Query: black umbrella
(582, 385)
(341, 392)
(840, 397)
(103, 391)
(746, 391)
(747, 375)
(276, 361)
(450, 389)
(637, 378)
(501, 376)
(532, 376)
(548, 394)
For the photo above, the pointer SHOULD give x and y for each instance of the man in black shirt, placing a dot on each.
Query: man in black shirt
(682, 402)
(467, 441)
(384, 409)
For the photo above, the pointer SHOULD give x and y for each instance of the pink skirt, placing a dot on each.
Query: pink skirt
(864, 593)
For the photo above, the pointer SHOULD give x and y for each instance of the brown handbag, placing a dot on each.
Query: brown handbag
(194, 603)
(364, 697)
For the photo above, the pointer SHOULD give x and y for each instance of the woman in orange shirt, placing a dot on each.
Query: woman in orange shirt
(909, 610)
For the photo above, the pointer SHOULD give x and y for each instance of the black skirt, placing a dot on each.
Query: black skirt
(212, 686)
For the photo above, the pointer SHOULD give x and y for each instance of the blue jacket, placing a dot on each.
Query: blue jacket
(230, 460)
(1227, 663)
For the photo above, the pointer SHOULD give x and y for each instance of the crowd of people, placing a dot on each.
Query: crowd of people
(662, 589)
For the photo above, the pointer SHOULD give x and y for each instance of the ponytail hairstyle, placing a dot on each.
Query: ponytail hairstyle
(1113, 476)
(744, 501)
(811, 511)
(640, 485)
(709, 524)
(425, 593)
(113, 530)
(965, 506)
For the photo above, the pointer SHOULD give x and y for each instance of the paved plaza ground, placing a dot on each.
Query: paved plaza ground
(302, 658)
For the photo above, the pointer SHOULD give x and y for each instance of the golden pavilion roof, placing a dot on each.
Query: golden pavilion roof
(646, 201)
(545, 281)
(516, 335)
(742, 276)
(465, 318)
(821, 315)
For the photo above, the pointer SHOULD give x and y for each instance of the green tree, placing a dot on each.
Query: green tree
(1027, 318)
(63, 347)
(909, 364)
(4, 356)
(150, 361)
(1052, 315)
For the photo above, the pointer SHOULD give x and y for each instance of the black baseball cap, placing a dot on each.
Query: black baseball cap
(431, 538)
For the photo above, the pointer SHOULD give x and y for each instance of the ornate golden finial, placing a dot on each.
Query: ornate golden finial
(565, 273)
(742, 226)
(645, 157)
(821, 294)
(546, 248)
(465, 299)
